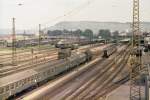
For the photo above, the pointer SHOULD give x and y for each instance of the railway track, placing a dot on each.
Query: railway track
(78, 84)
(26, 50)
(36, 61)
(7, 57)
(6, 60)
(79, 90)
(30, 59)
(112, 87)
(25, 67)
(106, 82)
(92, 84)
(24, 56)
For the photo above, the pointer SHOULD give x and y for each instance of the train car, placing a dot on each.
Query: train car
(63, 44)
(88, 55)
(109, 51)
(64, 53)
(137, 51)
(13, 84)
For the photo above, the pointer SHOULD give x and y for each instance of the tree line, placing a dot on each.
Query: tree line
(88, 33)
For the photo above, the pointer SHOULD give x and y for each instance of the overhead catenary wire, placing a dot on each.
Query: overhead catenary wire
(69, 13)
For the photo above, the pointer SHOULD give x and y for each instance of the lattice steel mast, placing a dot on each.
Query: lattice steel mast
(136, 23)
(135, 89)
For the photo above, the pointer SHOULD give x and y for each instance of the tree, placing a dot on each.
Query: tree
(54, 32)
(116, 36)
(88, 33)
(78, 32)
(106, 34)
(66, 31)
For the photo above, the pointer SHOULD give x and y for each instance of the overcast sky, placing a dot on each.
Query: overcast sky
(47, 12)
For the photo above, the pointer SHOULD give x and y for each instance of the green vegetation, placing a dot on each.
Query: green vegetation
(87, 33)
(105, 34)
(116, 36)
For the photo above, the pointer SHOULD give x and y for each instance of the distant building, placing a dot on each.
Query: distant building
(6, 41)
(147, 39)
(123, 34)
(3, 43)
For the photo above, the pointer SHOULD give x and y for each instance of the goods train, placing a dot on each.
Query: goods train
(109, 51)
(21, 81)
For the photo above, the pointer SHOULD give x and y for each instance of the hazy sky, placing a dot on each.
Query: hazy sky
(47, 12)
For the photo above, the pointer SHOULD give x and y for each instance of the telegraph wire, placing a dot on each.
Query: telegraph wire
(71, 12)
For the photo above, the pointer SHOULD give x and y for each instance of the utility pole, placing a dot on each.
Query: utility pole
(39, 35)
(14, 55)
(24, 38)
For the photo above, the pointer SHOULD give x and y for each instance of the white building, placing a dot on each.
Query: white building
(147, 39)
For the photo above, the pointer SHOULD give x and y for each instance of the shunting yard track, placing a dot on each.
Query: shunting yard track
(24, 55)
(83, 92)
(40, 57)
(106, 83)
(95, 76)
(6, 60)
(39, 60)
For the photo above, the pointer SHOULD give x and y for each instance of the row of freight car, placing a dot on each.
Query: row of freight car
(35, 42)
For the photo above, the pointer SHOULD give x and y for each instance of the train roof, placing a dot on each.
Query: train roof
(56, 63)
(48, 65)
(63, 42)
(27, 73)
(16, 77)
(59, 62)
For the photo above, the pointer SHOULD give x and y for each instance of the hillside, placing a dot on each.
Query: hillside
(95, 26)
